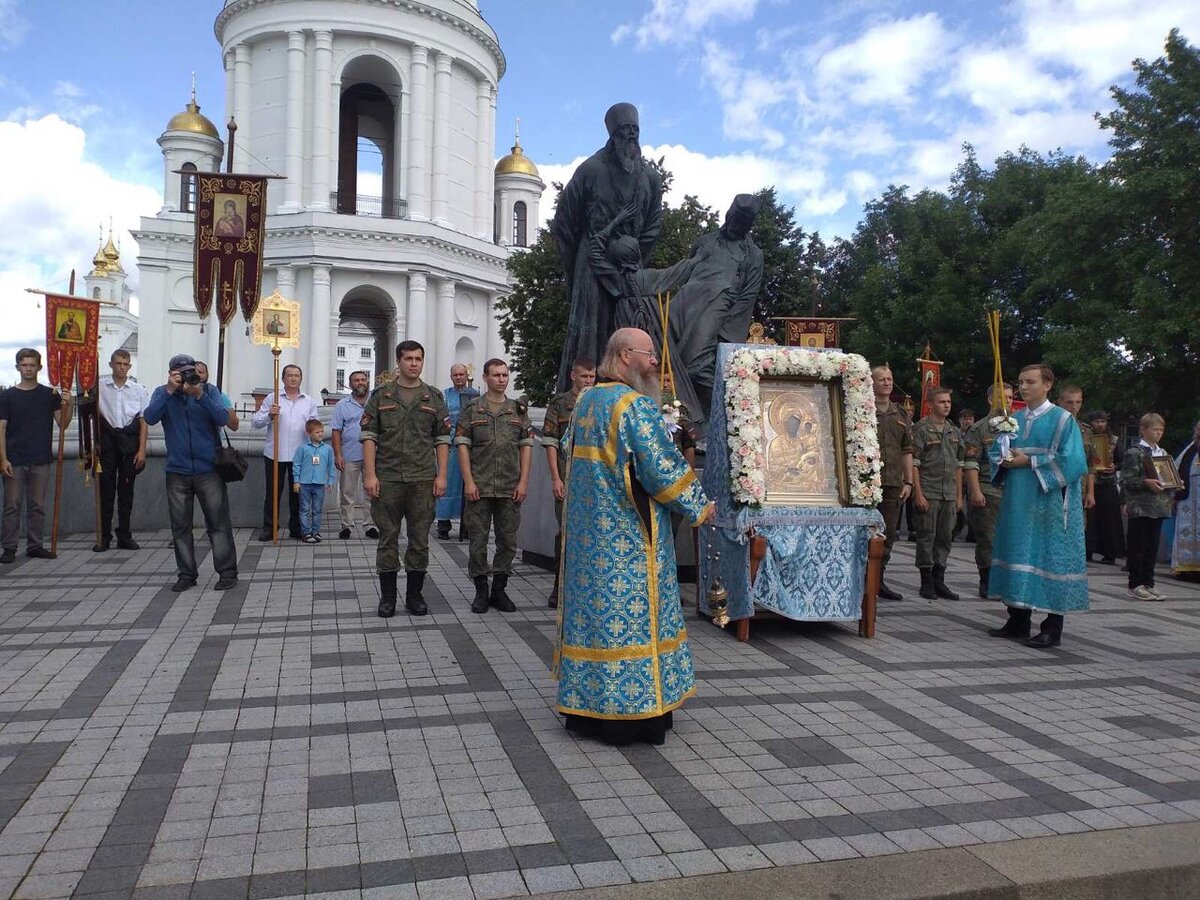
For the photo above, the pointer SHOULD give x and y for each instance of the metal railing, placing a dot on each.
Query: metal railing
(365, 205)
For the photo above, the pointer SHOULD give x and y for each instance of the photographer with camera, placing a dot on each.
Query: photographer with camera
(192, 413)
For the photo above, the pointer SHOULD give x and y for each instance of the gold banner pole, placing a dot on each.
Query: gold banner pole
(275, 463)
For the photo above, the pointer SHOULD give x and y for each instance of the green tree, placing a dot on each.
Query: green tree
(1123, 253)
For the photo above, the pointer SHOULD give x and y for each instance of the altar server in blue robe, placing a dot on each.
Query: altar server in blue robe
(450, 504)
(622, 658)
(1038, 561)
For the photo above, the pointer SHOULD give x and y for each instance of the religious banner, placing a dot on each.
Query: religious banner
(230, 224)
(72, 340)
(277, 323)
(812, 332)
(930, 372)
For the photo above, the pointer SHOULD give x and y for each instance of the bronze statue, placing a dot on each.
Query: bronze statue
(716, 302)
(615, 183)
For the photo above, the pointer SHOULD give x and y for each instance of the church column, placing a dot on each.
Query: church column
(241, 106)
(322, 117)
(418, 177)
(483, 159)
(495, 346)
(504, 219)
(230, 94)
(403, 126)
(293, 154)
(417, 317)
(441, 139)
(319, 354)
(445, 329)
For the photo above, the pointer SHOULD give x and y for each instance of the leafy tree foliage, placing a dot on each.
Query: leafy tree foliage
(1095, 270)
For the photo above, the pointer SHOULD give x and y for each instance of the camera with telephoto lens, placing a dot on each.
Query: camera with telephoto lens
(189, 375)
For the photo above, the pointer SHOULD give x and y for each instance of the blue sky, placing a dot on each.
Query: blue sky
(828, 101)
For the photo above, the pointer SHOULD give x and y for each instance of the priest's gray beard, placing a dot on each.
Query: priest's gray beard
(647, 383)
(629, 153)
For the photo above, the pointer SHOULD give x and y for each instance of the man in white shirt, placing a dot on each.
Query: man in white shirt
(122, 449)
(290, 416)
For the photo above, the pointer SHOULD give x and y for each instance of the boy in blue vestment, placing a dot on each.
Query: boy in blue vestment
(1038, 561)
(313, 474)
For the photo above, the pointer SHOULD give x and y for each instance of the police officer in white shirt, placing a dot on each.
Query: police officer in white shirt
(122, 449)
(294, 410)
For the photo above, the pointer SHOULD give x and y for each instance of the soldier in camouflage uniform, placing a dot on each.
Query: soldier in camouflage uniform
(1070, 398)
(406, 448)
(554, 430)
(1148, 503)
(896, 452)
(984, 496)
(937, 495)
(495, 449)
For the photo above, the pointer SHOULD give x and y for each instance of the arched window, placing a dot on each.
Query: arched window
(520, 225)
(95, 293)
(187, 188)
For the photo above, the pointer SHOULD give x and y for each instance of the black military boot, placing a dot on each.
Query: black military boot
(927, 590)
(984, 575)
(886, 593)
(1020, 621)
(443, 529)
(413, 601)
(387, 594)
(480, 603)
(1049, 635)
(939, 584)
(499, 598)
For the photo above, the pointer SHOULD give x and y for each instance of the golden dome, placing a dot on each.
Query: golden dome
(99, 265)
(191, 120)
(107, 260)
(516, 163)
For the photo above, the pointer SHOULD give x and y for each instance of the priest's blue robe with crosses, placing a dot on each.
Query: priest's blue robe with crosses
(622, 648)
(1038, 559)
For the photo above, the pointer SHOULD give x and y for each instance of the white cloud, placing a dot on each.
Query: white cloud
(13, 26)
(1006, 79)
(679, 21)
(1101, 38)
(747, 97)
(886, 63)
(50, 210)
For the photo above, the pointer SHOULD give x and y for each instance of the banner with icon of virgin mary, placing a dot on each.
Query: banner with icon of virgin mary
(231, 217)
(72, 340)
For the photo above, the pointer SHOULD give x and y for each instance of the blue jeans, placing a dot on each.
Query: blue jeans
(209, 489)
(312, 504)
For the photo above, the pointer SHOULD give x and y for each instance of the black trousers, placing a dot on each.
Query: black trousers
(1142, 550)
(285, 485)
(117, 472)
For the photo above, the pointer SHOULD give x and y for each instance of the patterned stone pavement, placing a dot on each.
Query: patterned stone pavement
(280, 740)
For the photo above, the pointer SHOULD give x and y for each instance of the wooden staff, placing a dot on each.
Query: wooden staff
(97, 467)
(62, 447)
(275, 462)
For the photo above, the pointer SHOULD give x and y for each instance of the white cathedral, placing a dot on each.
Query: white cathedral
(417, 250)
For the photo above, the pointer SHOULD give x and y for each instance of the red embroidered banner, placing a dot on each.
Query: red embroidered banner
(930, 370)
(231, 217)
(72, 340)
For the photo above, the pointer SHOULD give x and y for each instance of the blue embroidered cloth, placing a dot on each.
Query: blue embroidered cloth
(816, 562)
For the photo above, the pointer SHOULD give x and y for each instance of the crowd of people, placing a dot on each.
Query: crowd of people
(1043, 493)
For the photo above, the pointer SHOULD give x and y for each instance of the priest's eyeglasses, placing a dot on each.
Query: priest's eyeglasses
(649, 353)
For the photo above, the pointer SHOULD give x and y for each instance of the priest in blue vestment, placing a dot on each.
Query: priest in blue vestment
(622, 658)
(1038, 560)
(450, 504)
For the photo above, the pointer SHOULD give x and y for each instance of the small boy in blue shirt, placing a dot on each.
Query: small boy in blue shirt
(313, 474)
